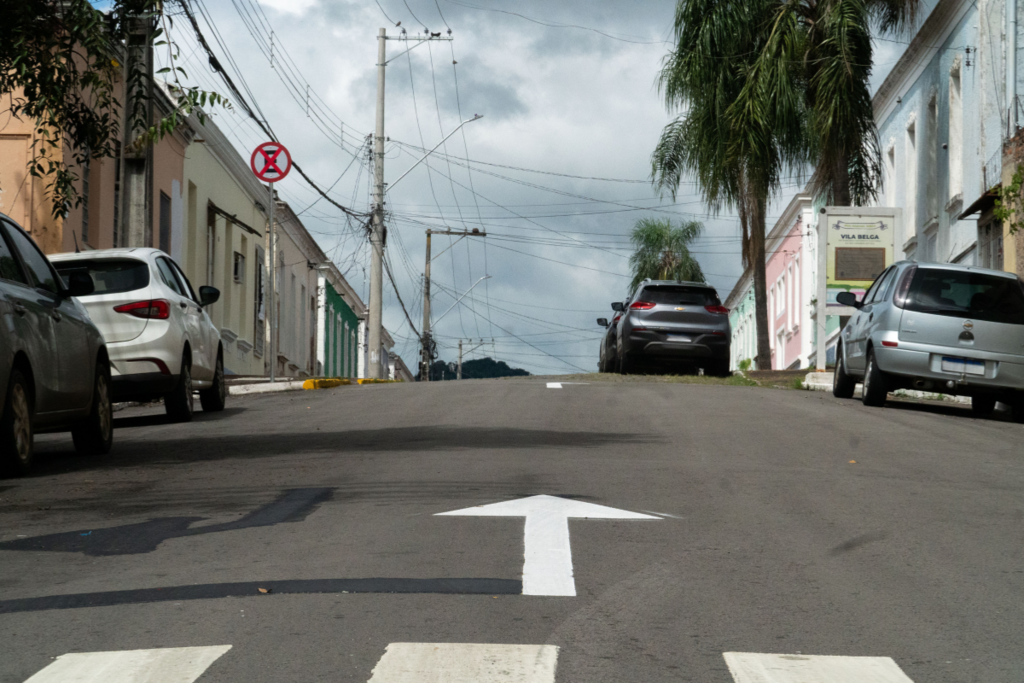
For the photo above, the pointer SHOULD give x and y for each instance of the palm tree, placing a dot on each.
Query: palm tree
(769, 86)
(662, 251)
(717, 45)
(816, 63)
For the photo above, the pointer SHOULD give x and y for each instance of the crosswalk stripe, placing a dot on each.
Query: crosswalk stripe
(163, 665)
(753, 667)
(466, 663)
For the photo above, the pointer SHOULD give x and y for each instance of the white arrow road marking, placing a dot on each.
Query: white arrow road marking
(466, 663)
(554, 385)
(548, 566)
(164, 665)
(752, 667)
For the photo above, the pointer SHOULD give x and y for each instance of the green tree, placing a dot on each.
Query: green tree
(661, 251)
(62, 65)
(716, 48)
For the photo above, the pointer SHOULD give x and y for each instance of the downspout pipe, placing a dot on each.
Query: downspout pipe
(1011, 67)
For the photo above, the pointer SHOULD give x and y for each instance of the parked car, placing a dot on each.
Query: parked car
(667, 322)
(936, 327)
(161, 341)
(608, 357)
(54, 368)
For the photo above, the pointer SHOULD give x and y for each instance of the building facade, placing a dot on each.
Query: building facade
(943, 115)
(340, 314)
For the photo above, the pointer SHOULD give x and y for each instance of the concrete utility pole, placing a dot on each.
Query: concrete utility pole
(136, 229)
(378, 236)
(426, 345)
(377, 227)
(458, 374)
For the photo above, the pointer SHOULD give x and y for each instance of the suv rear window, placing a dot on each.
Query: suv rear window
(672, 295)
(110, 276)
(965, 294)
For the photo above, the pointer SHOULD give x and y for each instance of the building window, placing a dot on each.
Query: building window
(990, 245)
(956, 133)
(910, 198)
(239, 270)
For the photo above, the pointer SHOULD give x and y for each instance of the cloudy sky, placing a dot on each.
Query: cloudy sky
(559, 163)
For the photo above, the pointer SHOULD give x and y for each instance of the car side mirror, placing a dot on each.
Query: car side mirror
(618, 306)
(208, 295)
(603, 322)
(80, 283)
(848, 299)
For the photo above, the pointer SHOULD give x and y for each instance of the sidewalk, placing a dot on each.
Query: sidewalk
(242, 385)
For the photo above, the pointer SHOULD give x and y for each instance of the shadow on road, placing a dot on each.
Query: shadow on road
(163, 419)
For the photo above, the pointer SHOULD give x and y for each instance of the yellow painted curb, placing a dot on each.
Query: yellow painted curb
(378, 381)
(325, 383)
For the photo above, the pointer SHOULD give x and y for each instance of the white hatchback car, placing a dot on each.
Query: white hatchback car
(161, 341)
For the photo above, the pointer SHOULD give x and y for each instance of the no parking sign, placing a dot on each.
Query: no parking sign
(271, 162)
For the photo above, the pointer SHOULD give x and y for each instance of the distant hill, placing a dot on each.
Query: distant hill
(478, 368)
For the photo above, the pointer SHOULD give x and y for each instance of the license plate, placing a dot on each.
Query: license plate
(679, 338)
(963, 365)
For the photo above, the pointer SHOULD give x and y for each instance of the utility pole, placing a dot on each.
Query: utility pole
(425, 351)
(377, 227)
(378, 235)
(272, 308)
(136, 229)
(458, 374)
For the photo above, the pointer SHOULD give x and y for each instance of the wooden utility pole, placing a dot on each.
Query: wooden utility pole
(425, 351)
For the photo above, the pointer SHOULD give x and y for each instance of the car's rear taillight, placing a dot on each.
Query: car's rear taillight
(721, 310)
(641, 305)
(156, 308)
(903, 287)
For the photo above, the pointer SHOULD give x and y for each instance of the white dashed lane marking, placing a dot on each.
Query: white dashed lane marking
(554, 385)
(164, 665)
(465, 663)
(753, 667)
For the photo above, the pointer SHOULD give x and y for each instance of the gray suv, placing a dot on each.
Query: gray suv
(936, 327)
(667, 322)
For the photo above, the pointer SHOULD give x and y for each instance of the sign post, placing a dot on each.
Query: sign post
(265, 165)
(855, 245)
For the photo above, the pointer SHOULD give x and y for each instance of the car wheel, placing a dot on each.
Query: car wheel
(214, 398)
(718, 368)
(179, 403)
(1017, 409)
(16, 426)
(875, 385)
(626, 365)
(95, 434)
(983, 405)
(842, 384)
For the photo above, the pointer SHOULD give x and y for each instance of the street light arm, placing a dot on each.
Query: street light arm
(485, 277)
(476, 117)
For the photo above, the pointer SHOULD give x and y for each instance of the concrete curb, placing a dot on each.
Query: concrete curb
(378, 381)
(264, 388)
(822, 381)
(326, 383)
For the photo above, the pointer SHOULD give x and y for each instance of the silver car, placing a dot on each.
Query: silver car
(54, 371)
(667, 322)
(936, 327)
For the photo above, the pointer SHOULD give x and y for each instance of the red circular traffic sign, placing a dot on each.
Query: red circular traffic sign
(271, 162)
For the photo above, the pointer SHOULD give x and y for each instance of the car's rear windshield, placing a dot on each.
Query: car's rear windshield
(680, 295)
(967, 294)
(110, 276)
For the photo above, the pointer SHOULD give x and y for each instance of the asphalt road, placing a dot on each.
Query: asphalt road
(765, 537)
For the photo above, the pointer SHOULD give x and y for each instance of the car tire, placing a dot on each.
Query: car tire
(95, 434)
(842, 383)
(983, 405)
(214, 398)
(16, 426)
(626, 365)
(718, 368)
(876, 386)
(179, 403)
